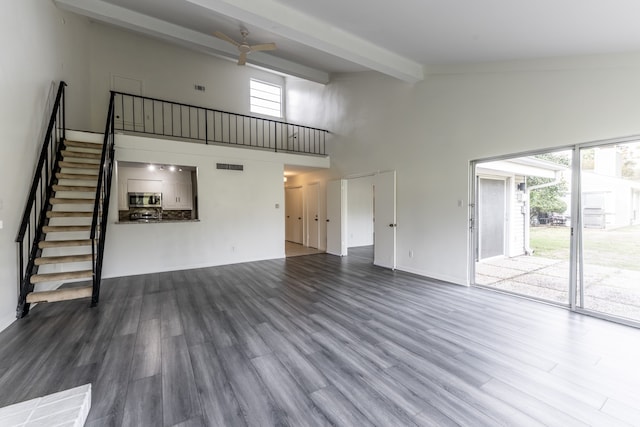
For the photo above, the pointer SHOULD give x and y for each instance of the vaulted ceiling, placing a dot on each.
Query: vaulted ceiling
(399, 38)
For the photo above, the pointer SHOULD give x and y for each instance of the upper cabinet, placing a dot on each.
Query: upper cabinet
(177, 193)
(144, 186)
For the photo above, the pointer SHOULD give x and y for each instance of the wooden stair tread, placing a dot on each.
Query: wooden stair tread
(82, 144)
(76, 165)
(67, 214)
(62, 259)
(82, 176)
(43, 244)
(70, 201)
(80, 188)
(66, 275)
(81, 155)
(65, 228)
(60, 294)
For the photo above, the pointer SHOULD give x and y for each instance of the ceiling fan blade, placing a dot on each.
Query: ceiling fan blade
(242, 59)
(226, 38)
(265, 46)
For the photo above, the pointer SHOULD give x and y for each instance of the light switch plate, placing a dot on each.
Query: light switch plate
(1, 225)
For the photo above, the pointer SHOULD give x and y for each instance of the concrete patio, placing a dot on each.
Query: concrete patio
(609, 290)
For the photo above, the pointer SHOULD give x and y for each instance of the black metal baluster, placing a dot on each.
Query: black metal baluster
(144, 116)
(206, 126)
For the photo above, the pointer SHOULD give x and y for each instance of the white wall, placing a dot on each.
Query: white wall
(239, 220)
(167, 71)
(40, 44)
(430, 131)
(360, 211)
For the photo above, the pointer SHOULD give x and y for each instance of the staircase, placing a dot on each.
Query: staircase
(62, 234)
(65, 247)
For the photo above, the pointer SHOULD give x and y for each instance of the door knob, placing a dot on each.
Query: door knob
(327, 220)
(393, 225)
(299, 217)
(316, 219)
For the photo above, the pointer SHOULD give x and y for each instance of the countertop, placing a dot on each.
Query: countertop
(157, 221)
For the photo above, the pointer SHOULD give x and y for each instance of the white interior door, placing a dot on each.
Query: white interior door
(293, 214)
(337, 217)
(384, 213)
(313, 224)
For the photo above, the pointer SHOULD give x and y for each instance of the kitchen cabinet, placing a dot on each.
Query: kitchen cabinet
(123, 199)
(177, 195)
(144, 186)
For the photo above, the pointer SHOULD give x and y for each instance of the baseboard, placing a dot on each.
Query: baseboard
(188, 267)
(442, 277)
(6, 321)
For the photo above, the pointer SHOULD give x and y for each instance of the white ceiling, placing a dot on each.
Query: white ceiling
(316, 38)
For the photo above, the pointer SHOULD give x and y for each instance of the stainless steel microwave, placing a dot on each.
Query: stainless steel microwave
(145, 200)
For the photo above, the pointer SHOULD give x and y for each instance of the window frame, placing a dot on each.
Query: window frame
(260, 110)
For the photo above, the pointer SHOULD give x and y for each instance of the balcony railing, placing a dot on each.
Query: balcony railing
(144, 115)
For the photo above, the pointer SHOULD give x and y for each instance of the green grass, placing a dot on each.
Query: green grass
(612, 248)
(550, 242)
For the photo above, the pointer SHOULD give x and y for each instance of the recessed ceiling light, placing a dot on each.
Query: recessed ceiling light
(151, 167)
(172, 168)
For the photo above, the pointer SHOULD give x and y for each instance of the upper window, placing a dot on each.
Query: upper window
(265, 98)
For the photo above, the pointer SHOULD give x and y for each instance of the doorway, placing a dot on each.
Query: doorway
(361, 215)
(313, 221)
(293, 214)
(492, 217)
(522, 231)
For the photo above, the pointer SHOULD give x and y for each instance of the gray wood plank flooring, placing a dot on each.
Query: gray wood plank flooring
(322, 340)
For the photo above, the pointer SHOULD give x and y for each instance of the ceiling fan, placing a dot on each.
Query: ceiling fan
(243, 46)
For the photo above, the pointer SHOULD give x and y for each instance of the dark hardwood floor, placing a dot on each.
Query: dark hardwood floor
(322, 340)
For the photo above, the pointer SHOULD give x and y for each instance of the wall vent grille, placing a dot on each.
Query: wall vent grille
(227, 166)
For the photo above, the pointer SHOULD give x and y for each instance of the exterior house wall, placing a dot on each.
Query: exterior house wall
(519, 220)
(609, 201)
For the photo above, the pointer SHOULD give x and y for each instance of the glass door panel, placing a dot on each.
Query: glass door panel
(610, 201)
(523, 225)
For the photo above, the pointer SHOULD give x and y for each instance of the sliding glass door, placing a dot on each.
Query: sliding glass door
(610, 233)
(523, 225)
(562, 227)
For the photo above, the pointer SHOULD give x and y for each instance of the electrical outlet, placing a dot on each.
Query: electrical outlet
(410, 254)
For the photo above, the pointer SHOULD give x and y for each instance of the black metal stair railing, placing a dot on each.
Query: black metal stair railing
(34, 217)
(101, 207)
(144, 115)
